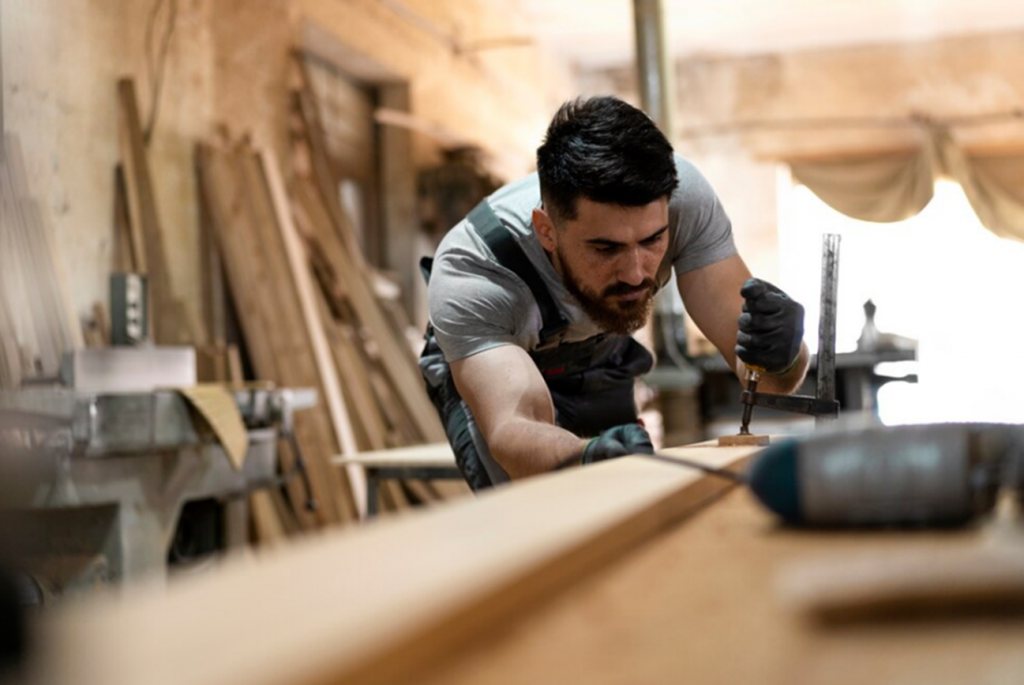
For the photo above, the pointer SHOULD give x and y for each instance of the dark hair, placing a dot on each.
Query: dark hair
(604, 150)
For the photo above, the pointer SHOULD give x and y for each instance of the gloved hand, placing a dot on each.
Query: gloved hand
(771, 327)
(629, 438)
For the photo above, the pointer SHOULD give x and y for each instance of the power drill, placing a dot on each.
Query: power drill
(921, 475)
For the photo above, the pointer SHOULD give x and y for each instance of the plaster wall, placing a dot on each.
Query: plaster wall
(227, 66)
(61, 62)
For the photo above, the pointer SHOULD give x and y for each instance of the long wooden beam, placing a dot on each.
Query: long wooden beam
(377, 604)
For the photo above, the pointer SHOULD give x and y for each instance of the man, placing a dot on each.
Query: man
(533, 297)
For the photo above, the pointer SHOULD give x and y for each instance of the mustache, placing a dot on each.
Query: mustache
(621, 288)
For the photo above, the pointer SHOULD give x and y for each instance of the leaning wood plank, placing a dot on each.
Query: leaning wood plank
(316, 140)
(357, 384)
(377, 604)
(292, 344)
(395, 356)
(224, 193)
(51, 269)
(10, 359)
(31, 272)
(308, 299)
(213, 287)
(124, 252)
(268, 527)
(168, 327)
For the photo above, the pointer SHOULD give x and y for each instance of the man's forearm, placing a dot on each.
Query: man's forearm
(525, 447)
(783, 384)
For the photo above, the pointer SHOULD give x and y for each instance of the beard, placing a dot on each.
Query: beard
(620, 317)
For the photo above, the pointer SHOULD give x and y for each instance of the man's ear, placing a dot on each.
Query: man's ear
(545, 229)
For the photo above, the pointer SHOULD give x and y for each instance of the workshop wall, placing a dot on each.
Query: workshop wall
(61, 62)
(953, 77)
(227, 65)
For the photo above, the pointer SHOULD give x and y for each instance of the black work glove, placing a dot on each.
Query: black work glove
(629, 438)
(771, 327)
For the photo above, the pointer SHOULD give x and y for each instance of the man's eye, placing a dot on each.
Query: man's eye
(654, 240)
(607, 249)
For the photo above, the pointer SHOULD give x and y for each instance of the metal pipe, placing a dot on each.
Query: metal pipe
(652, 61)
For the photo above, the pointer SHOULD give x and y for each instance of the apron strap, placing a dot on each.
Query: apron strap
(508, 253)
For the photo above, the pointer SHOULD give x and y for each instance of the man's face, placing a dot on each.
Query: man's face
(608, 257)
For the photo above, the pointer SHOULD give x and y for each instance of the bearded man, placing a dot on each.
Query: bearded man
(533, 297)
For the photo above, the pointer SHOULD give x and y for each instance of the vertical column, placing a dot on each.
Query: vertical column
(826, 389)
(398, 196)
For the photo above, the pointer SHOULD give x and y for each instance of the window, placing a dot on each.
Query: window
(939, 277)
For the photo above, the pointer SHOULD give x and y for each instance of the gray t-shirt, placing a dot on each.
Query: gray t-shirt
(477, 304)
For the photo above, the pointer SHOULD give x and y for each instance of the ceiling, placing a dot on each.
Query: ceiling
(599, 33)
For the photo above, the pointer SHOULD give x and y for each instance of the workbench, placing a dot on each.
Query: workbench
(106, 477)
(627, 571)
(435, 461)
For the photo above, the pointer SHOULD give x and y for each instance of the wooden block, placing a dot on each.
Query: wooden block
(878, 585)
(742, 440)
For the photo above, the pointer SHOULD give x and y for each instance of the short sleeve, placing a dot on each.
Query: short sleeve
(474, 306)
(703, 233)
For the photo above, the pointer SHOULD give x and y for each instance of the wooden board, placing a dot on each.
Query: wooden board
(241, 209)
(40, 324)
(396, 358)
(169, 327)
(437, 454)
(380, 603)
(703, 604)
(309, 301)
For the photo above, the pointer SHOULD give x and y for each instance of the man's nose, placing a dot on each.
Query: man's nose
(631, 269)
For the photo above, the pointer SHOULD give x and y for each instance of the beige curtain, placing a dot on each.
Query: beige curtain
(894, 187)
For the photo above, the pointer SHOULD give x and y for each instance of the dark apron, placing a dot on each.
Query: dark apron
(591, 382)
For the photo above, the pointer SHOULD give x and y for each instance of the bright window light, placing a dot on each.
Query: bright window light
(939, 277)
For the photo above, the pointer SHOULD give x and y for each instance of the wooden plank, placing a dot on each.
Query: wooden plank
(54, 274)
(10, 357)
(293, 345)
(167, 325)
(221, 192)
(211, 271)
(433, 455)
(311, 314)
(703, 604)
(400, 224)
(224, 195)
(99, 313)
(396, 359)
(125, 250)
(316, 139)
(33, 278)
(380, 603)
(266, 521)
(357, 385)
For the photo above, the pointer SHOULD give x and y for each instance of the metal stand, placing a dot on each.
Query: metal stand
(823, 406)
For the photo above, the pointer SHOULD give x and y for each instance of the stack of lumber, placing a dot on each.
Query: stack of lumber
(243, 202)
(37, 324)
(367, 327)
(310, 317)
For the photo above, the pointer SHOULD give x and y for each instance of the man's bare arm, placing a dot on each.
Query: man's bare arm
(712, 298)
(513, 409)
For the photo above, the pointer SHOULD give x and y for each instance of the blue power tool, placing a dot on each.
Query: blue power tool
(940, 474)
